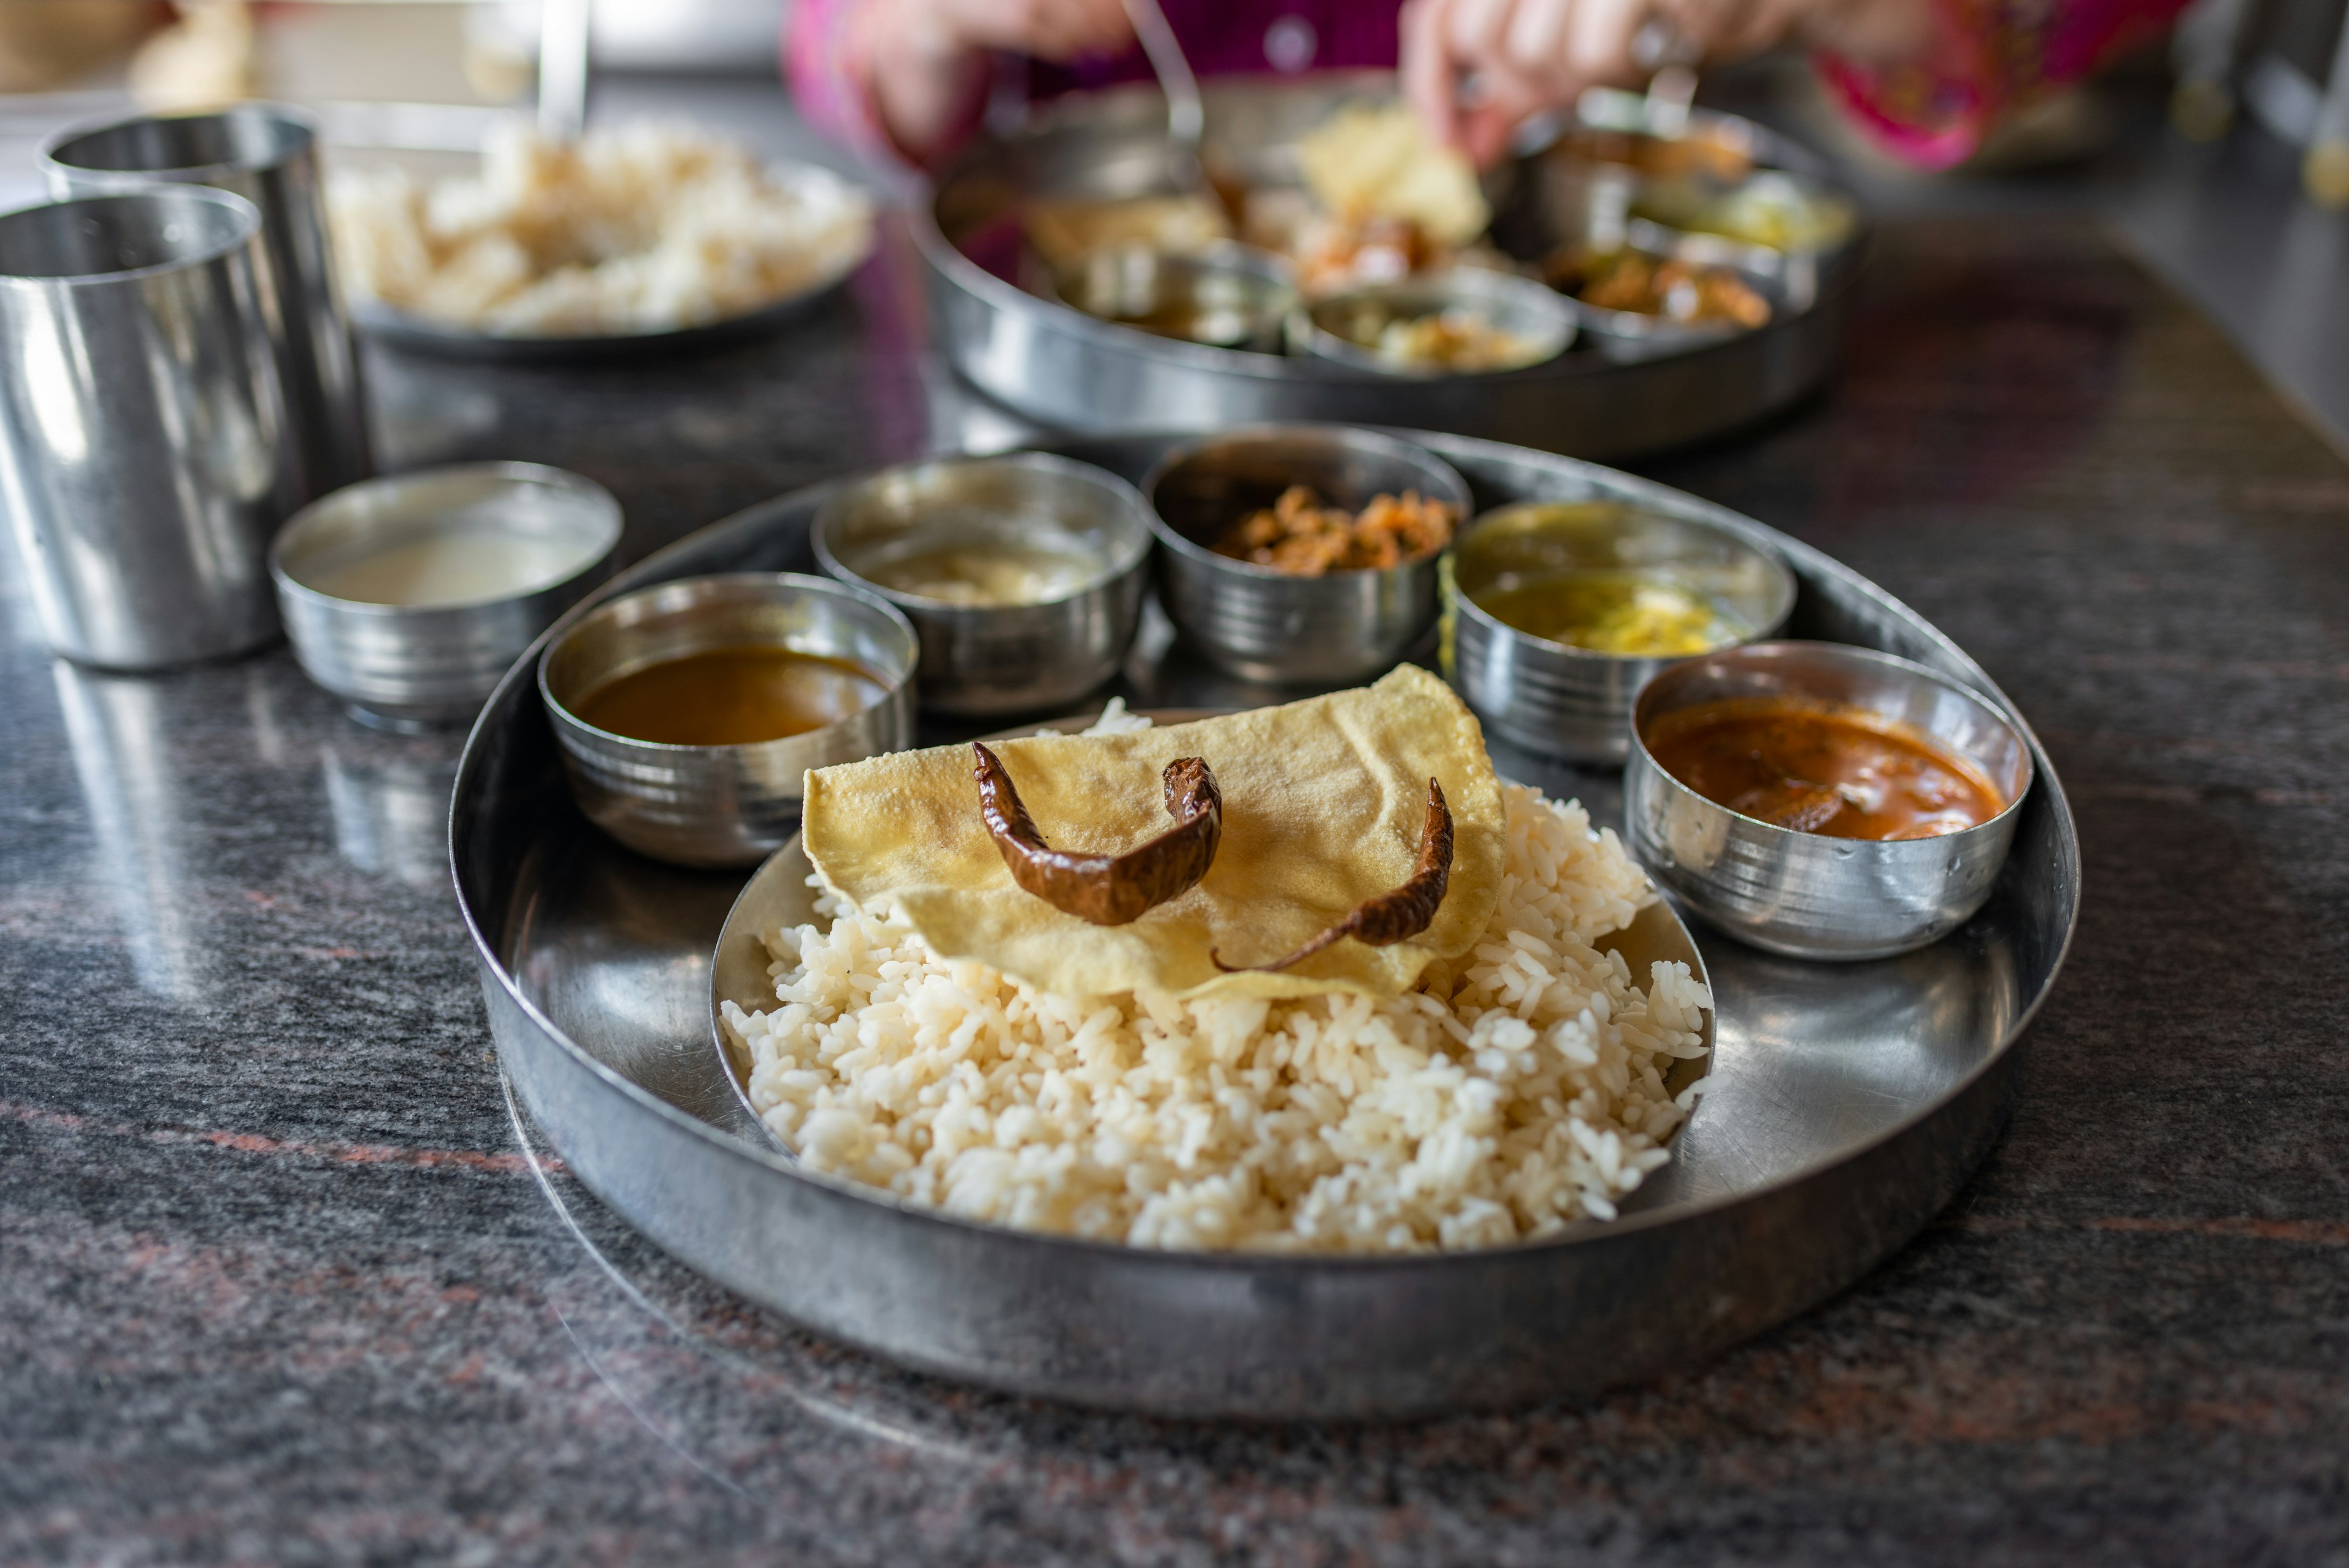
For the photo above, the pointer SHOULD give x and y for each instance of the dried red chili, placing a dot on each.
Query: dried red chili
(1107, 889)
(1389, 918)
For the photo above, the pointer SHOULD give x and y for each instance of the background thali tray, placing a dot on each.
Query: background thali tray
(1847, 1103)
(1065, 370)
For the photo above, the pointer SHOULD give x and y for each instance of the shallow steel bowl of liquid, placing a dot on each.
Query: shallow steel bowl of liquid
(1802, 894)
(983, 659)
(720, 806)
(1572, 702)
(1266, 625)
(1225, 296)
(1344, 326)
(406, 665)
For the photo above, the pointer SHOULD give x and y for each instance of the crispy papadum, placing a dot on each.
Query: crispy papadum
(1324, 802)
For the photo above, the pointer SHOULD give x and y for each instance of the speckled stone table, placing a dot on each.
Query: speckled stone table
(277, 1283)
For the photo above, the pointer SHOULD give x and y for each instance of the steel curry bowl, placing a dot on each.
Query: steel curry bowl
(1267, 624)
(1001, 658)
(1349, 327)
(721, 805)
(1802, 894)
(1573, 702)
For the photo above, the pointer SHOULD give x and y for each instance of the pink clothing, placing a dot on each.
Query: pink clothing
(1992, 55)
(1226, 39)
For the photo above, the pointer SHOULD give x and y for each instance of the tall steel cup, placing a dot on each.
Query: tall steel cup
(144, 462)
(267, 154)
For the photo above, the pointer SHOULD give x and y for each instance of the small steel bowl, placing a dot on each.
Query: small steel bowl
(985, 660)
(404, 666)
(1344, 326)
(1264, 624)
(1226, 295)
(1626, 336)
(1770, 208)
(1572, 702)
(1801, 894)
(720, 806)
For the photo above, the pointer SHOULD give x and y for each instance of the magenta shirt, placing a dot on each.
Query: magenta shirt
(1239, 39)
(1992, 53)
(1219, 37)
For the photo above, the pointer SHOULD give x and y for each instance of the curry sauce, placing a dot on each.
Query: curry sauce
(731, 697)
(1841, 773)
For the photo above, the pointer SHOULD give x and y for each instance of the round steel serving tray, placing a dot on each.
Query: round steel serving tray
(1846, 1103)
(1065, 369)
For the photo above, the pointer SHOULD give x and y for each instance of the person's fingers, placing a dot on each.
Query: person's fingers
(1048, 29)
(1431, 82)
(1710, 26)
(1507, 99)
(1599, 39)
(1534, 43)
(1475, 31)
(1071, 27)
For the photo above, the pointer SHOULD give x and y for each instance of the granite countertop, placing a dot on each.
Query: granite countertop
(277, 1283)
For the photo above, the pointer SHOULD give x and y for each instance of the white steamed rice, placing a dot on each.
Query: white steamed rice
(645, 227)
(1519, 1089)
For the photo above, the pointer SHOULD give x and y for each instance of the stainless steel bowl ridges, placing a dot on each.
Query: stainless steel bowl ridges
(143, 448)
(1265, 625)
(403, 665)
(1001, 659)
(1799, 893)
(1571, 702)
(721, 806)
(1343, 327)
(1230, 296)
(266, 153)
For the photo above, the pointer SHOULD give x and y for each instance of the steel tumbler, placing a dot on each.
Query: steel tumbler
(266, 153)
(144, 462)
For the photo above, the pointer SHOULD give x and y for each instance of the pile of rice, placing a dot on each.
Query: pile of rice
(1519, 1089)
(647, 227)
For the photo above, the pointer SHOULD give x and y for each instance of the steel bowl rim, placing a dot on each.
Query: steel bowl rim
(562, 717)
(1191, 550)
(247, 215)
(300, 119)
(1908, 666)
(486, 952)
(1230, 256)
(1653, 327)
(1320, 343)
(562, 478)
(1113, 571)
(1781, 579)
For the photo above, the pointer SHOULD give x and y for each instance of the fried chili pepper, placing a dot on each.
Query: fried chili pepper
(1107, 889)
(1389, 918)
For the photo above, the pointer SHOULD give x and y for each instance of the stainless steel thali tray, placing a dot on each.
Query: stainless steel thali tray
(1070, 371)
(1847, 1103)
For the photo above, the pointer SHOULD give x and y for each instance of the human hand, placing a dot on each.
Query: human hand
(1055, 30)
(924, 61)
(1528, 55)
